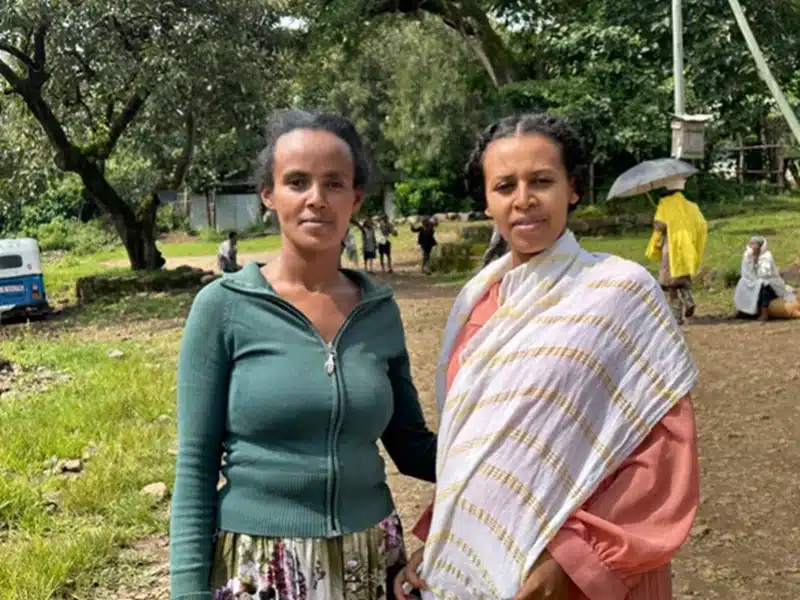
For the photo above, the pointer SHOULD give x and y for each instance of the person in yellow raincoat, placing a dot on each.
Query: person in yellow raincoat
(678, 242)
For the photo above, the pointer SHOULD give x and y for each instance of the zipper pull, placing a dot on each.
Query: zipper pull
(330, 363)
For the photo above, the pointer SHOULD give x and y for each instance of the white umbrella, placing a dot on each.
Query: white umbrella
(650, 175)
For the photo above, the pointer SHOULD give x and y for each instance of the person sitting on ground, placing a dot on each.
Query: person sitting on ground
(385, 231)
(426, 240)
(226, 255)
(761, 282)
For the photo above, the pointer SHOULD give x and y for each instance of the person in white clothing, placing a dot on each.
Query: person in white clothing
(761, 282)
(227, 253)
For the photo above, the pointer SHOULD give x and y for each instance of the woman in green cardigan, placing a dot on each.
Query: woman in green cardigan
(288, 376)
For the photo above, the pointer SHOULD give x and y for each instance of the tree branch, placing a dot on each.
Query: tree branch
(185, 159)
(470, 21)
(125, 118)
(84, 64)
(18, 54)
(82, 103)
(39, 46)
(109, 114)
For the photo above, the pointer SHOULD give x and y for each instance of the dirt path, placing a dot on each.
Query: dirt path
(747, 534)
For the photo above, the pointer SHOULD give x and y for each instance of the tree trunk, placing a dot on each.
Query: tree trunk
(137, 231)
(140, 244)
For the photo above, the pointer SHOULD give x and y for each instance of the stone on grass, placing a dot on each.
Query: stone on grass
(52, 501)
(157, 492)
(114, 353)
(70, 465)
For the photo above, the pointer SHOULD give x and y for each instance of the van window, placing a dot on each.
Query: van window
(10, 261)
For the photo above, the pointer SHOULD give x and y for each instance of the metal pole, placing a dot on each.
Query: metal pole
(763, 68)
(677, 56)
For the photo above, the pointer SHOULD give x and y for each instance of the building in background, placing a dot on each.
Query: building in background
(227, 206)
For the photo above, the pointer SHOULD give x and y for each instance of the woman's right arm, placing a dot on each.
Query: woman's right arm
(203, 374)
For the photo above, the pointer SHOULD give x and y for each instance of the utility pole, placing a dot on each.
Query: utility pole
(763, 68)
(677, 56)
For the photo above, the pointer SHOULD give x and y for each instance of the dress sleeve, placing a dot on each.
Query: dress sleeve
(639, 517)
(407, 439)
(203, 379)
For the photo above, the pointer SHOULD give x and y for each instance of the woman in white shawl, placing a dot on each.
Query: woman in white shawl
(760, 281)
(567, 458)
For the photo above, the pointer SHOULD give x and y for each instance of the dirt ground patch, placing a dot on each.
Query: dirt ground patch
(747, 533)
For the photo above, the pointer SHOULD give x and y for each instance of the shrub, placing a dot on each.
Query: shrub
(168, 219)
(425, 196)
(209, 234)
(590, 211)
(454, 257)
(72, 235)
(731, 278)
(476, 234)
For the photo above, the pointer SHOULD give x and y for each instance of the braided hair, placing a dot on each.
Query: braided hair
(555, 128)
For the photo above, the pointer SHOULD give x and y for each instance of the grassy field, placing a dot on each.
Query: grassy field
(98, 385)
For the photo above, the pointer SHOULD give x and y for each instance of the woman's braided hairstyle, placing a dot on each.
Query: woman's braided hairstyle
(557, 129)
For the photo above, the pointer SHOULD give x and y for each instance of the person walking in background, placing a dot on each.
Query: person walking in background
(385, 232)
(678, 242)
(227, 254)
(567, 465)
(426, 240)
(282, 375)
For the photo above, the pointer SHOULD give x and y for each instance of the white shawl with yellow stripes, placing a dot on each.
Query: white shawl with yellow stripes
(578, 364)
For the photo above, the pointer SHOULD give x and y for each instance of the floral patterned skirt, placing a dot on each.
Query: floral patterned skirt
(358, 566)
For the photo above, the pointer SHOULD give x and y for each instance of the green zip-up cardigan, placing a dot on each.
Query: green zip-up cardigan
(296, 419)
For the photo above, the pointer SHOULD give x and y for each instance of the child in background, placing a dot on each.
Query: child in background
(385, 230)
(369, 244)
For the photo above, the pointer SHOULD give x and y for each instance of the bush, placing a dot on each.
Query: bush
(476, 234)
(209, 234)
(168, 219)
(731, 278)
(590, 211)
(425, 196)
(72, 235)
(454, 257)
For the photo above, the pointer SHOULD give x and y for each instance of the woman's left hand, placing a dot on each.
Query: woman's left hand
(546, 581)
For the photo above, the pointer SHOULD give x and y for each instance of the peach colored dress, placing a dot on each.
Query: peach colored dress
(619, 545)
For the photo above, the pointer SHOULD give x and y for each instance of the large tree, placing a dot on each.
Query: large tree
(154, 79)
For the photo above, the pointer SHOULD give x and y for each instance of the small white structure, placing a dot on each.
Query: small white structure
(688, 136)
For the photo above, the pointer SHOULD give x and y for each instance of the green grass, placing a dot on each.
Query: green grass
(114, 404)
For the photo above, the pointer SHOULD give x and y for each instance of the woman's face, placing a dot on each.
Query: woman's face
(528, 192)
(313, 193)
